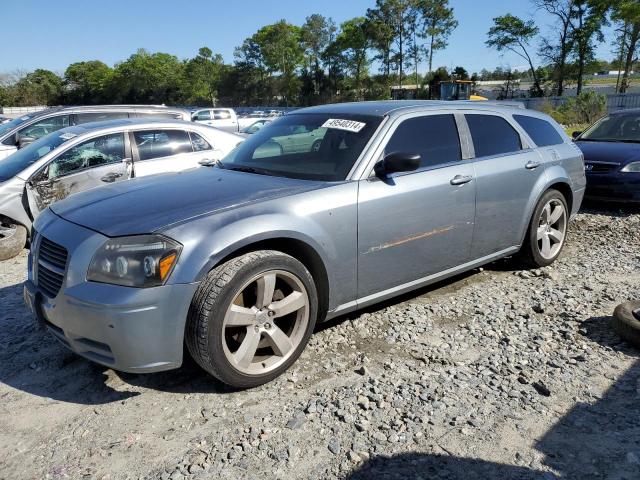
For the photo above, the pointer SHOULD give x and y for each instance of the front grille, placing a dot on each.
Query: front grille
(52, 262)
(600, 167)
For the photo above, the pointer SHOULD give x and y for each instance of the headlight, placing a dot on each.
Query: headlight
(137, 261)
(633, 167)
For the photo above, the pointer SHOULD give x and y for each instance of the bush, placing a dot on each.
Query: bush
(586, 108)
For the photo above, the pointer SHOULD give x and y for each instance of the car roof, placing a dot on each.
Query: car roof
(391, 107)
(128, 122)
(632, 111)
(89, 108)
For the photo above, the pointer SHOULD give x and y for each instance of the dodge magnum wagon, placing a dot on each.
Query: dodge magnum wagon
(241, 260)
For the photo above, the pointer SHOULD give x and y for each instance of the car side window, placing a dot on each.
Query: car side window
(93, 153)
(199, 143)
(44, 127)
(161, 143)
(434, 137)
(221, 115)
(492, 135)
(540, 131)
(203, 115)
(99, 116)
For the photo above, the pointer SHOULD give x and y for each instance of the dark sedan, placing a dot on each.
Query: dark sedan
(611, 150)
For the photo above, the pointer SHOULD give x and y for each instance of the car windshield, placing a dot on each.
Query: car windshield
(307, 146)
(16, 163)
(7, 127)
(614, 128)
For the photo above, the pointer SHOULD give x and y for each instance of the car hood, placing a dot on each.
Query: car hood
(149, 204)
(618, 152)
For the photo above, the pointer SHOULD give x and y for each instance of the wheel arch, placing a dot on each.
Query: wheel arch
(299, 249)
(563, 186)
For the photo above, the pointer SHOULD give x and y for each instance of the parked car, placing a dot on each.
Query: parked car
(611, 148)
(240, 261)
(222, 118)
(255, 126)
(85, 156)
(26, 129)
(4, 119)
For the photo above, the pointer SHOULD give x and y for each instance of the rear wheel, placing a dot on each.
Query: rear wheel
(13, 238)
(547, 230)
(252, 317)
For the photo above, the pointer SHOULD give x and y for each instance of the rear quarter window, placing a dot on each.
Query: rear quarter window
(540, 131)
(492, 135)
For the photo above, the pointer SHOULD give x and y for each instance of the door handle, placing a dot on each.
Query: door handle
(111, 177)
(461, 179)
(532, 165)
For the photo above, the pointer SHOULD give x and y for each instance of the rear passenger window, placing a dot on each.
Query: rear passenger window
(203, 115)
(492, 135)
(434, 137)
(161, 143)
(540, 131)
(199, 143)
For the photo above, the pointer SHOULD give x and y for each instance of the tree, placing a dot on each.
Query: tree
(627, 13)
(281, 51)
(439, 22)
(353, 42)
(40, 87)
(586, 27)
(316, 35)
(558, 53)
(514, 34)
(86, 82)
(381, 35)
(148, 78)
(202, 77)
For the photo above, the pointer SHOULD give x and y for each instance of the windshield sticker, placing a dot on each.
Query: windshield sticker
(25, 118)
(68, 136)
(347, 125)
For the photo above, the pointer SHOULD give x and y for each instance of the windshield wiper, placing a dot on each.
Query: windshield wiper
(248, 170)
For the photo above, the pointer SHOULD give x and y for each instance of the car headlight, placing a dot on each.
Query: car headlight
(633, 167)
(137, 261)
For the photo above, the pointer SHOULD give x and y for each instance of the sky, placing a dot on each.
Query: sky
(52, 34)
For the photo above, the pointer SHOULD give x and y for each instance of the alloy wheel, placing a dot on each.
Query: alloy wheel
(552, 229)
(265, 322)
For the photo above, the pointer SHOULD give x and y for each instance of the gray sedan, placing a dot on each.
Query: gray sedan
(240, 261)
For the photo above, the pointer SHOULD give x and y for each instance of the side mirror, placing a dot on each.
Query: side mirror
(576, 134)
(398, 162)
(24, 141)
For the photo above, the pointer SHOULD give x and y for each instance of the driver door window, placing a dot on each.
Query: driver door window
(93, 153)
(161, 143)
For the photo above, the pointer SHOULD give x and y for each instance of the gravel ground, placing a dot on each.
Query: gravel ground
(500, 373)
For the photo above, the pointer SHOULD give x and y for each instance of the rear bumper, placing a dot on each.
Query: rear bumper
(614, 187)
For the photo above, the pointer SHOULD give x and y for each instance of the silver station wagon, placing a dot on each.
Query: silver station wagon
(239, 261)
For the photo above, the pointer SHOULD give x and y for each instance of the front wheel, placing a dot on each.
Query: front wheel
(547, 230)
(252, 317)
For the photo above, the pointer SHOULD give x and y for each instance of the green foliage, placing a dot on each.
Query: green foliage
(87, 82)
(586, 108)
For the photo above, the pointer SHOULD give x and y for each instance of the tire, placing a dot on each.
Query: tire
(13, 238)
(535, 251)
(316, 146)
(626, 322)
(227, 318)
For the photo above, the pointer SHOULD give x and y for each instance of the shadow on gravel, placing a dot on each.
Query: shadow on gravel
(593, 441)
(613, 209)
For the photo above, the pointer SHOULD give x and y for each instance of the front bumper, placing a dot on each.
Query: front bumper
(614, 187)
(128, 329)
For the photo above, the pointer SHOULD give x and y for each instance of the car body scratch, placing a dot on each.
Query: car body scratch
(410, 238)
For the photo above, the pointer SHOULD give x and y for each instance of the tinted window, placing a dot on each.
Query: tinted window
(203, 115)
(615, 128)
(17, 162)
(434, 137)
(92, 153)
(99, 116)
(161, 143)
(44, 127)
(199, 143)
(540, 131)
(492, 135)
